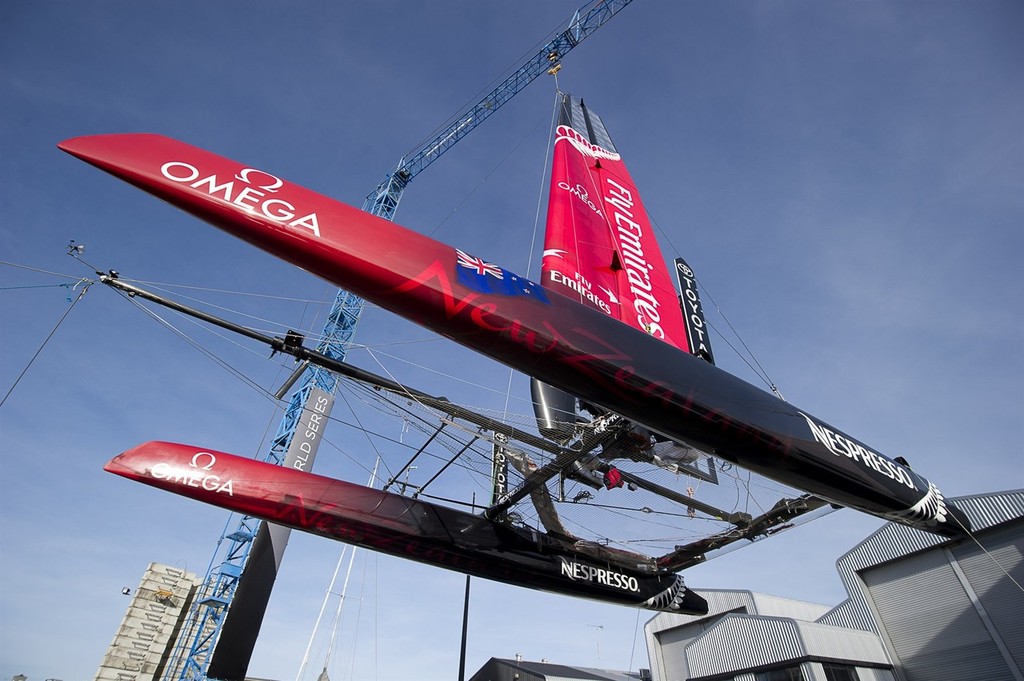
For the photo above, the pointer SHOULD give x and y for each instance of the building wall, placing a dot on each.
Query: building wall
(765, 641)
(500, 670)
(150, 624)
(743, 643)
(815, 671)
(952, 613)
(778, 606)
(892, 542)
(669, 634)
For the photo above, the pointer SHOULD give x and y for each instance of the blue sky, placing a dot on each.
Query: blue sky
(846, 178)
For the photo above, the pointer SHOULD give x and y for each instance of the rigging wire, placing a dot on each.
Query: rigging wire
(428, 425)
(86, 284)
(272, 324)
(476, 458)
(39, 271)
(323, 607)
(355, 626)
(531, 254)
(484, 179)
(636, 628)
(988, 554)
(478, 97)
(166, 323)
(406, 407)
(418, 421)
(750, 359)
(364, 431)
(22, 288)
(249, 294)
(760, 369)
(374, 351)
(330, 590)
(545, 168)
(202, 350)
(341, 600)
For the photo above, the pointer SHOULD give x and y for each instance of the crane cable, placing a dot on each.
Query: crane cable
(536, 217)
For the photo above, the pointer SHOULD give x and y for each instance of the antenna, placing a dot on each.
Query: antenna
(598, 628)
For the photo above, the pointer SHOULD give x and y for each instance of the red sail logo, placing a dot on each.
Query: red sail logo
(582, 145)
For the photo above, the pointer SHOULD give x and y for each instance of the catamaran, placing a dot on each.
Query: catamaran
(627, 397)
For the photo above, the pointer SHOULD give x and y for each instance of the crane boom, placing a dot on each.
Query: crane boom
(383, 201)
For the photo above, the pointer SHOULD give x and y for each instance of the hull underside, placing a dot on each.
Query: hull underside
(405, 527)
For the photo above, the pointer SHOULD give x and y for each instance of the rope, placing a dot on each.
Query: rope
(40, 271)
(484, 179)
(760, 370)
(756, 366)
(989, 555)
(210, 355)
(48, 337)
(536, 217)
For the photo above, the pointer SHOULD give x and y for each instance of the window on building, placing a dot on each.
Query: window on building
(786, 674)
(839, 672)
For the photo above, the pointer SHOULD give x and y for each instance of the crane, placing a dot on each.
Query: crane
(223, 623)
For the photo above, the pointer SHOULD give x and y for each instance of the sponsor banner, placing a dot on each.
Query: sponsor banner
(843, 446)
(499, 468)
(693, 314)
(242, 625)
(309, 431)
(579, 571)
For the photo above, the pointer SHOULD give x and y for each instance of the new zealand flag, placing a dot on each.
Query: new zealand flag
(484, 277)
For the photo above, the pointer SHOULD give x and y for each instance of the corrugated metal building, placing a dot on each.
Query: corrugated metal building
(919, 609)
(750, 636)
(498, 669)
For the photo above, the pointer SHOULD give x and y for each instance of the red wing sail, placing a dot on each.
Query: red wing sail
(600, 246)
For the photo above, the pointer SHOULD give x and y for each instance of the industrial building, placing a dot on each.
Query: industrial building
(919, 608)
(499, 669)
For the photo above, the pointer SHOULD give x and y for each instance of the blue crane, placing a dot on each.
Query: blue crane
(205, 627)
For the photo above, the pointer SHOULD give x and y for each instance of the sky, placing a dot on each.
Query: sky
(847, 179)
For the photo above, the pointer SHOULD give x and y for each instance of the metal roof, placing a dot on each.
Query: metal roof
(892, 541)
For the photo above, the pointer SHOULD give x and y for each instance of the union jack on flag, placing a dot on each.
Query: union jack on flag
(479, 265)
(482, 276)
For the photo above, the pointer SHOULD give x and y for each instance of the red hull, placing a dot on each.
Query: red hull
(399, 526)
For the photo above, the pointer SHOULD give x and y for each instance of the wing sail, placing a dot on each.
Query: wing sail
(600, 246)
